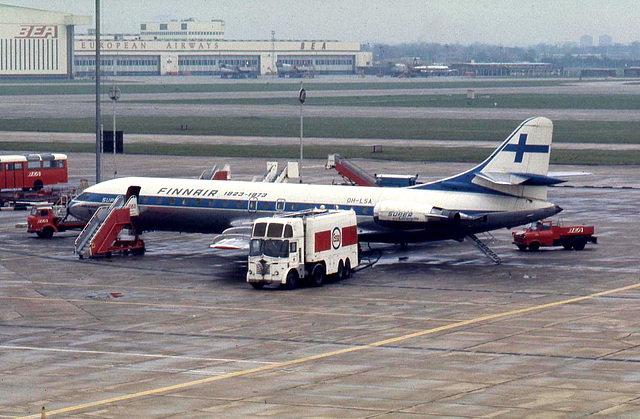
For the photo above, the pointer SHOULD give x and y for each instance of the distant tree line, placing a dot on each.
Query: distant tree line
(568, 55)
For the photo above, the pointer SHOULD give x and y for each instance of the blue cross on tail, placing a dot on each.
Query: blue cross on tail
(522, 148)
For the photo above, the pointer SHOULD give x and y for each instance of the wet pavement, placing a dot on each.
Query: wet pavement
(435, 329)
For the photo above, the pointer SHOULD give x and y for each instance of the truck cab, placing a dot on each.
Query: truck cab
(276, 248)
(42, 221)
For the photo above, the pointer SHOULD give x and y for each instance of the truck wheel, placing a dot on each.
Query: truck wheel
(534, 246)
(37, 185)
(522, 247)
(578, 243)
(46, 233)
(340, 273)
(347, 269)
(292, 280)
(318, 275)
(257, 285)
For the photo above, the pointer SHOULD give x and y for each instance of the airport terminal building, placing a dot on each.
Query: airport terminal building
(40, 43)
(135, 56)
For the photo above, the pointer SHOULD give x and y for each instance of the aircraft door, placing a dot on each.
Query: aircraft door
(280, 205)
(133, 190)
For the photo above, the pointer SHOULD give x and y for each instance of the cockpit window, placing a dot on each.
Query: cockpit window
(83, 196)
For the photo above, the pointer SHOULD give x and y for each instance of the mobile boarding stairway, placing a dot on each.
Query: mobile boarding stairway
(111, 230)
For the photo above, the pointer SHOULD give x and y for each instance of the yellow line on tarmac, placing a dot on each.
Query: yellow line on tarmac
(218, 308)
(332, 353)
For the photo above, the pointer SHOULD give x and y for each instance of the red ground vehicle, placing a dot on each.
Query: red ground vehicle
(45, 220)
(545, 233)
(32, 171)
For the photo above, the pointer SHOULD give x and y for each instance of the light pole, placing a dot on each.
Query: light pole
(302, 97)
(98, 122)
(114, 95)
(273, 52)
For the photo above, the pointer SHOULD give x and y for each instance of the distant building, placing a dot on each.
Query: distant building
(192, 47)
(598, 72)
(632, 72)
(41, 43)
(183, 29)
(605, 41)
(524, 69)
(37, 42)
(586, 41)
(135, 56)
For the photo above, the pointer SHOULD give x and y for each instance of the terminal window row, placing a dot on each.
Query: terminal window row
(334, 62)
(183, 61)
(239, 62)
(317, 62)
(119, 62)
(165, 32)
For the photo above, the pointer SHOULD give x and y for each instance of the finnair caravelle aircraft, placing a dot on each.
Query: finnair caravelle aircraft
(506, 190)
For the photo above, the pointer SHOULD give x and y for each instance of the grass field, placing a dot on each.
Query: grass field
(75, 88)
(427, 154)
(374, 128)
(509, 101)
(367, 128)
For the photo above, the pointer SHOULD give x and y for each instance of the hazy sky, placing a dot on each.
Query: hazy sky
(503, 22)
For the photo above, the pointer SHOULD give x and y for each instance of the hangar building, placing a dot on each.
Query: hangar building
(44, 44)
(196, 47)
(37, 42)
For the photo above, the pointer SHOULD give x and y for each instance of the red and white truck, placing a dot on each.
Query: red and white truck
(545, 233)
(287, 248)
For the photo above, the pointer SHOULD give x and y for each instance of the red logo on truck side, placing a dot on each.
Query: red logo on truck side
(336, 238)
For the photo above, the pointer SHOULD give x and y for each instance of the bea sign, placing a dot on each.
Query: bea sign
(38, 31)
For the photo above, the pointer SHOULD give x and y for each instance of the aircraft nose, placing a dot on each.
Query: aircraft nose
(557, 208)
(73, 207)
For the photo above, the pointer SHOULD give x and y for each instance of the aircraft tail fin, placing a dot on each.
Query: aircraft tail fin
(526, 150)
(519, 167)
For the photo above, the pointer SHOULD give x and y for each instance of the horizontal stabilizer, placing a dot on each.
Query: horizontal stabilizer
(515, 179)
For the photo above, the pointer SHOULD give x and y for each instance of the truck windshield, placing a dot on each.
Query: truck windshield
(272, 248)
(259, 229)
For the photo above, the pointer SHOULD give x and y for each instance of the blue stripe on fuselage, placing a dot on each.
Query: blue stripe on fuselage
(218, 204)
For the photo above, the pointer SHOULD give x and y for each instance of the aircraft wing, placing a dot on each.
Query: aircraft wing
(233, 238)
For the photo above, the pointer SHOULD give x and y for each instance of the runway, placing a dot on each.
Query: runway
(134, 105)
(435, 329)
